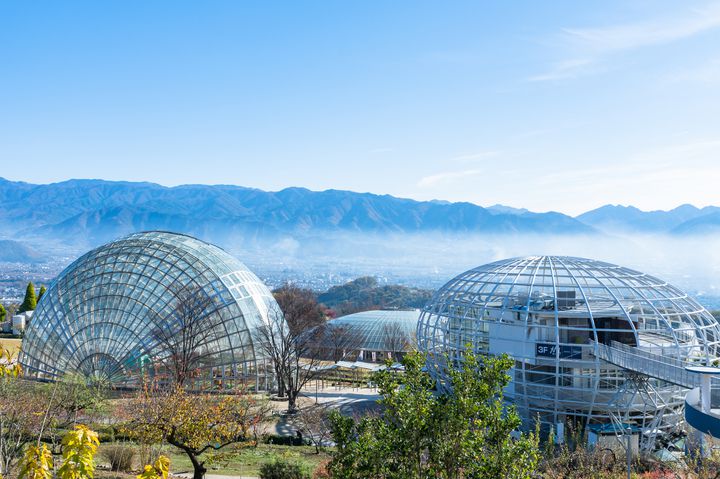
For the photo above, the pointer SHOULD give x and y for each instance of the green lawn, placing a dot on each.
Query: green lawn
(248, 460)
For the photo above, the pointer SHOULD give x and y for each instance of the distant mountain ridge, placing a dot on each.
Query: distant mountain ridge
(683, 220)
(85, 213)
(95, 211)
(17, 252)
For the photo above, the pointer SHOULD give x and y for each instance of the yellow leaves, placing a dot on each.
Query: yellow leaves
(196, 420)
(81, 437)
(8, 368)
(79, 448)
(159, 470)
(37, 463)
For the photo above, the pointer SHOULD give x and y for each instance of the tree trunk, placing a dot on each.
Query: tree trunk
(199, 469)
(292, 401)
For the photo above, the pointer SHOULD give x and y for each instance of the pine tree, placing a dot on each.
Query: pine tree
(30, 300)
(41, 292)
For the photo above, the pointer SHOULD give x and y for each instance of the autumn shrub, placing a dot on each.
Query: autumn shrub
(321, 471)
(580, 463)
(119, 456)
(159, 470)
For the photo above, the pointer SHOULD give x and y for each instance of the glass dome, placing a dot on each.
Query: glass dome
(102, 314)
(566, 321)
(380, 330)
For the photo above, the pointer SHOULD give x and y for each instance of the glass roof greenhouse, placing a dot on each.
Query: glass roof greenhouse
(101, 316)
(379, 330)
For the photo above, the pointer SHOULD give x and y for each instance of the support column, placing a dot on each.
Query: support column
(705, 393)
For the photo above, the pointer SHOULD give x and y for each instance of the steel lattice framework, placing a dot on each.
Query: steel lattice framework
(372, 330)
(551, 314)
(97, 318)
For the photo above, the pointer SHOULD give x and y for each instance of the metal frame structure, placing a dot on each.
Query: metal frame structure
(97, 317)
(552, 314)
(377, 334)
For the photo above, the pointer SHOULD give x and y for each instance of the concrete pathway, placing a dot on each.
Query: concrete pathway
(189, 475)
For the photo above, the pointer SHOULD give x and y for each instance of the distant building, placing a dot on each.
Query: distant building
(370, 336)
(20, 321)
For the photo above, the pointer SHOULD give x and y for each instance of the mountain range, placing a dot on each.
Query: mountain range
(685, 219)
(97, 210)
(89, 212)
(17, 252)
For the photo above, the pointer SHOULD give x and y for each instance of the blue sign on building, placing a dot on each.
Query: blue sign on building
(549, 350)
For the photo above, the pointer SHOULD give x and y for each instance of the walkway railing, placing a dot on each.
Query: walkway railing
(643, 362)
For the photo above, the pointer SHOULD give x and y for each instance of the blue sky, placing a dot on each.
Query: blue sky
(545, 105)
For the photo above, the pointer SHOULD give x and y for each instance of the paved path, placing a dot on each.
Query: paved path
(189, 475)
(350, 401)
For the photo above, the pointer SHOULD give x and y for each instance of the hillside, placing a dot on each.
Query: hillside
(17, 252)
(365, 293)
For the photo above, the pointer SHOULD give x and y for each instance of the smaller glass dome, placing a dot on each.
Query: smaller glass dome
(380, 330)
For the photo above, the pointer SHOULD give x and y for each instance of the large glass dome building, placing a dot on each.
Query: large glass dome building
(593, 343)
(116, 313)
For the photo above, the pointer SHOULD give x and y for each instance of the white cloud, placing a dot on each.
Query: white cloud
(566, 70)
(642, 34)
(446, 177)
(593, 45)
(473, 157)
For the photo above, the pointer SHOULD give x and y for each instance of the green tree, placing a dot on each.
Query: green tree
(3, 313)
(421, 433)
(30, 301)
(42, 291)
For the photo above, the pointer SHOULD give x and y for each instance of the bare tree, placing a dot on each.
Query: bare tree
(397, 341)
(186, 333)
(300, 307)
(290, 339)
(21, 413)
(295, 357)
(339, 342)
(314, 423)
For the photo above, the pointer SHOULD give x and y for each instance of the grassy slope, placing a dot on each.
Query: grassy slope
(248, 461)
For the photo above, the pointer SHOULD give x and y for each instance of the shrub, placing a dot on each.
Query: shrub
(321, 471)
(279, 440)
(120, 456)
(149, 453)
(283, 470)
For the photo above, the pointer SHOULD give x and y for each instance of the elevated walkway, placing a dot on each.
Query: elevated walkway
(653, 365)
(702, 402)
